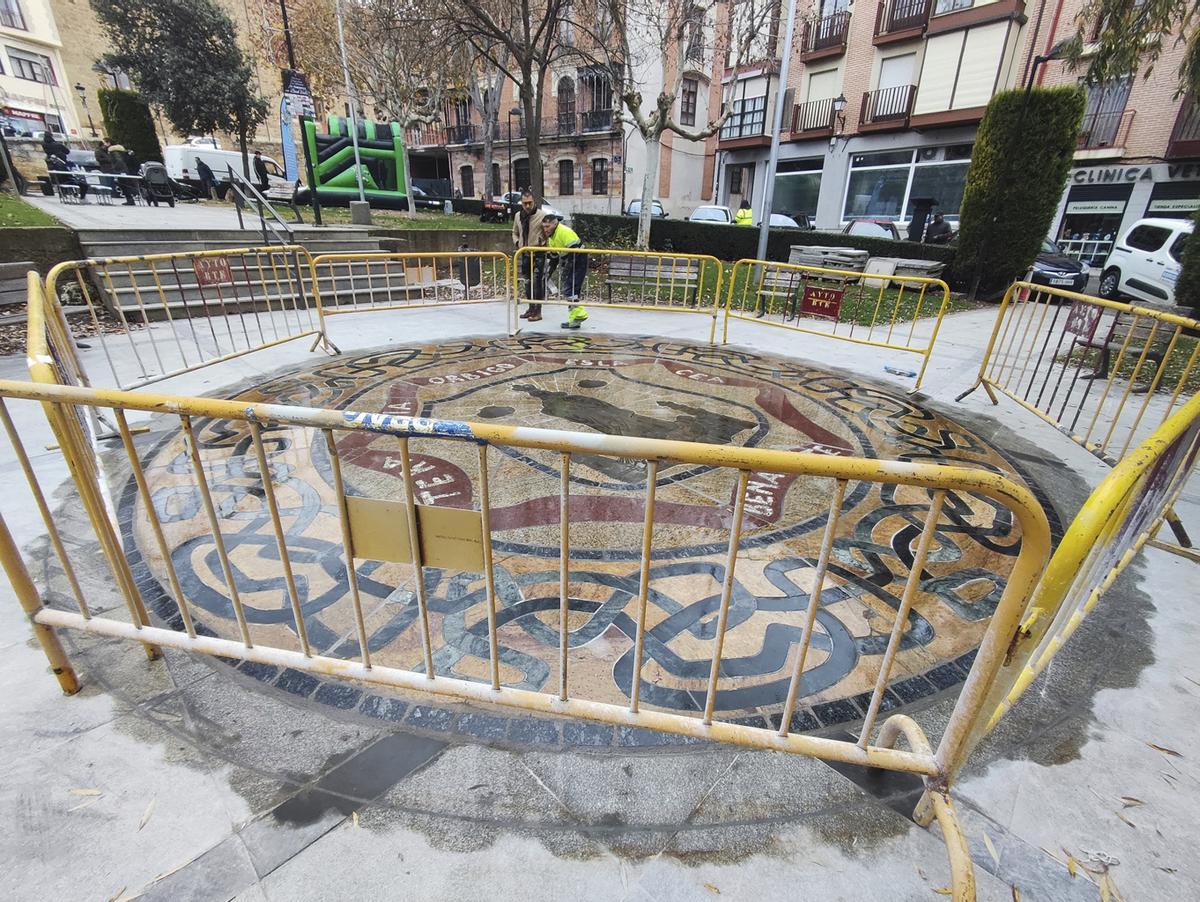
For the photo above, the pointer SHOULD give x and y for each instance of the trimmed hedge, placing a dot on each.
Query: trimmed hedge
(127, 122)
(732, 242)
(1187, 288)
(1023, 153)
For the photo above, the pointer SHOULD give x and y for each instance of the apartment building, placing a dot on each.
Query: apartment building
(594, 160)
(883, 101)
(1139, 148)
(35, 93)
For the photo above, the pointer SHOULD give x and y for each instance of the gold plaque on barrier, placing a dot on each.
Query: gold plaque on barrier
(450, 537)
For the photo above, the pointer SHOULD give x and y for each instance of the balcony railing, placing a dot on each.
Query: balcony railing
(1109, 129)
(825, 33)
(564, 125)
(461, 134)
(596, 120)
(901, 15)
(425, 136)
(1185, 139)
(813, 117)
(887, 106)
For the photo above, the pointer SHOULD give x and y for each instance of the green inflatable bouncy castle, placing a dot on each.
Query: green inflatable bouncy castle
(381, 149)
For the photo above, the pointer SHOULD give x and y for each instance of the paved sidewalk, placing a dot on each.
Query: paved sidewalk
(176, 780)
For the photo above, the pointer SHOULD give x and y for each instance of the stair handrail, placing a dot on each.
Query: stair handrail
(245, 191)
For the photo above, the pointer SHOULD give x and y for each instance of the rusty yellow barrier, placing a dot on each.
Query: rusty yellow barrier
(880, 311)
(626, 279)
(178, 312)
(350, 283)
(1106, 373)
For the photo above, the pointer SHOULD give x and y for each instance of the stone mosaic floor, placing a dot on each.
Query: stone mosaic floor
(627, 386)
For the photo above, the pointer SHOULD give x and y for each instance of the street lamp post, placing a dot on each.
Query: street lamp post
(82, 92)
(304, 120)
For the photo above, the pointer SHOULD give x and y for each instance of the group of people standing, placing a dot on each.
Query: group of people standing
(535, 227)
(112, 160)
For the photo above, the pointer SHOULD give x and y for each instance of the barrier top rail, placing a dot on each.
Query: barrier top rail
(803, 298)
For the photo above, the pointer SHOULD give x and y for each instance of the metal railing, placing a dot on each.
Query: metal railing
(881, 311)
(812, 116)
(892, 106)
(1110, 129)
(350, 283)
(748, 119)
(901, 15)
(825, 32)
(259, 442)
(160, 315)
(633, 280)
(1105, 373)
(246, 193)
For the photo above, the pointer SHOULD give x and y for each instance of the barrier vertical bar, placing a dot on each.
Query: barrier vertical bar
(735, 538)
(639, 642)
(339, 488)
(564, 572)
(414, 545)
(31, 603)
(489, 576)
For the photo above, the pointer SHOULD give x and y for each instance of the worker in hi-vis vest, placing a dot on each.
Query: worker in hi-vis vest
(574, 267)
(744, 215)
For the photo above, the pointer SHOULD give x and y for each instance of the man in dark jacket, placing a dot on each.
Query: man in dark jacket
(939, 231)
(527, 232)
(260, 172)
(207, 179)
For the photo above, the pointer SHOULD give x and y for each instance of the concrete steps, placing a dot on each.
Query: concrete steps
(101, 243)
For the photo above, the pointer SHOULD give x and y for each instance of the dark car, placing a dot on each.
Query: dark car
(656, 209)
(1053, 267)
(422, 200)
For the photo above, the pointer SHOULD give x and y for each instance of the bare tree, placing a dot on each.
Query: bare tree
(648, 48)
(485, 83)
(521, 39)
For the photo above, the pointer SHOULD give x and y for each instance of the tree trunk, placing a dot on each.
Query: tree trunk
(241, 127)
(531, 104)
(649, 184)
(489, 140)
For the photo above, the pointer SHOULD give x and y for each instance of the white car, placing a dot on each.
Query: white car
(711, 213)
(1145, 261)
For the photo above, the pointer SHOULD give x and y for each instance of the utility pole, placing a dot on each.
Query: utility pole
(350, 97)
(304, 120)
(773, 158)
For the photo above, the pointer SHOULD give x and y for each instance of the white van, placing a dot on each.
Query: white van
(180, 160)
(1144, 263)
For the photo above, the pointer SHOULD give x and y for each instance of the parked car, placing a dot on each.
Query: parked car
(656, 209)
(711, 213)
(872, 228)
(783, 221)
(424, 201)
(1053, 267)
(1144, 263)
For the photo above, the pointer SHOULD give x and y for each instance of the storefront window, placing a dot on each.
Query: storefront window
(797, 187)
(882, 185)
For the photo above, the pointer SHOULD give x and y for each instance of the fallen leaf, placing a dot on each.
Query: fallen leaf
(1125, 819)
(1130, 802)
(987, 841)
(85, 792)
(712, 889)
(119, 893)
(354, 817)
(82, 805)
(944, 891)
(1108, 889)
(146, 814)
(1071, 869)
(1164, 750)
(1166, 870)
(1016, 894)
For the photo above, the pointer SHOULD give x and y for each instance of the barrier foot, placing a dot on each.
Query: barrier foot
(1176, 525)
(31, 603)
(968, 391)
(328, 346)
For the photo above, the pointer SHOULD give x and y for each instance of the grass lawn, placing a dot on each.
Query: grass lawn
(14, 212)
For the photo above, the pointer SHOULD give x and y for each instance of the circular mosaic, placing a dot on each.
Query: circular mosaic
(623, 386)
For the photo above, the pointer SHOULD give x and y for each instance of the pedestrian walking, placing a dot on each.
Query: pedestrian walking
(527, 232)
(207, 179)
(260, 172)
(573, 267)
(120, 159)
(744, 215)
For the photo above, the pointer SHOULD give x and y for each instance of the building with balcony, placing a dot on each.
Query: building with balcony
(883, 101)
(1139, 149)
(35, 94)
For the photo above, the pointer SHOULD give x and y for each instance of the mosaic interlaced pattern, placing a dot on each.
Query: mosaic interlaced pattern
(625, 386)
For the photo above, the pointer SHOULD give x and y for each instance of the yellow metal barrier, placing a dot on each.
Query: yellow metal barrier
(835, 303)
(179, 312)
(1121, 515)
(250, 439)
(349, 283)
(1105, 373)
(632, 280)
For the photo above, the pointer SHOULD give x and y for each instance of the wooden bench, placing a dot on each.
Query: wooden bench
(1141, 335)
(286, 195)
(654, 273)
(778, 284)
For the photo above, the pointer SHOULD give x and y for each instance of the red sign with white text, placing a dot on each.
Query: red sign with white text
(213, 271)
(821, 301)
